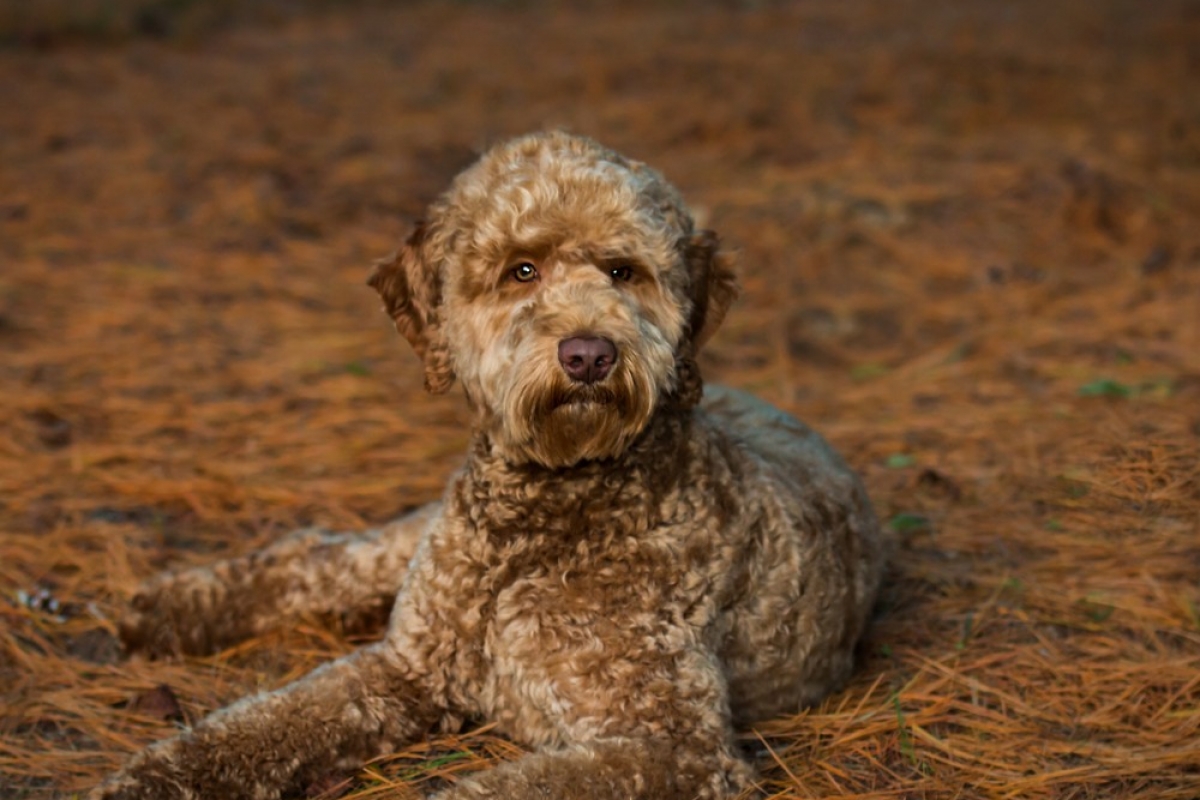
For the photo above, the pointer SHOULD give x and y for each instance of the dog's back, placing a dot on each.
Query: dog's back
(809, 562)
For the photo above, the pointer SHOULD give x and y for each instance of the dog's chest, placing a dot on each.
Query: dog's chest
(547, 596)
(558, 626)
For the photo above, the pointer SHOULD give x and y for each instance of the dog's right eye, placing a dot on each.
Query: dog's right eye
(524, 272)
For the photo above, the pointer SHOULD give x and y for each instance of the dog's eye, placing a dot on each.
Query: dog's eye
(621, 273)
(524, 272)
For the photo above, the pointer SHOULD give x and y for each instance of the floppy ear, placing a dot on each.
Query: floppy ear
(714, 285)
(411, 287)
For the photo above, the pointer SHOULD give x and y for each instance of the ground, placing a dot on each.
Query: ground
(970, 237)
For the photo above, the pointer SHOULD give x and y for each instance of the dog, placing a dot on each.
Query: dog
(628, 567)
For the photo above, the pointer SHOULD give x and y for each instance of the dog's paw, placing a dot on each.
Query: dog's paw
(129, 788)
(151, 775)
(178, 614)
(149, 626)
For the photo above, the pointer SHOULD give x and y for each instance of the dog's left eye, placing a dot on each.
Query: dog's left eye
(621, 273)
(523, 272)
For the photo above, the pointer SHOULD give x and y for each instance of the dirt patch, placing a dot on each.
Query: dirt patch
(970, 237)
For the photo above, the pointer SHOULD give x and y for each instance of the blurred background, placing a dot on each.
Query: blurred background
(970, 245)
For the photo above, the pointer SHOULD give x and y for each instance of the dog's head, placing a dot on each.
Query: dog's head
(566, 288)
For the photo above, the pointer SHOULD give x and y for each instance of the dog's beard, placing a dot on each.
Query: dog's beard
(556, 422)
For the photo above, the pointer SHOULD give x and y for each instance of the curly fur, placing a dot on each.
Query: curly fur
(620, 574)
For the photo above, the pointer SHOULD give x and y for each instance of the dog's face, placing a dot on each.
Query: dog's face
(566, 289)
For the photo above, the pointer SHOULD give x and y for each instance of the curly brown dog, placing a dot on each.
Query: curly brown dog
(622, 572)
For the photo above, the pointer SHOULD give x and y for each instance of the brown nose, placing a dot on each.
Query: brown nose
(587, 359)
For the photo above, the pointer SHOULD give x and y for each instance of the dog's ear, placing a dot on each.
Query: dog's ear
(410, 283)
(714, 284)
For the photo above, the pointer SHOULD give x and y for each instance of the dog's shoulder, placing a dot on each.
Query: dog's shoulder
(772, 435)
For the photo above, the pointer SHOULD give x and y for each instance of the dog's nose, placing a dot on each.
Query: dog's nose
(587, 359)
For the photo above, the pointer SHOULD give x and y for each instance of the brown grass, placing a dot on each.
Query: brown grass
(971, 237)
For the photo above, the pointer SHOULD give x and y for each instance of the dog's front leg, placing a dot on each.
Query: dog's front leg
(651, 724)
(201, 610)
(262, 747)
(615, 769)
